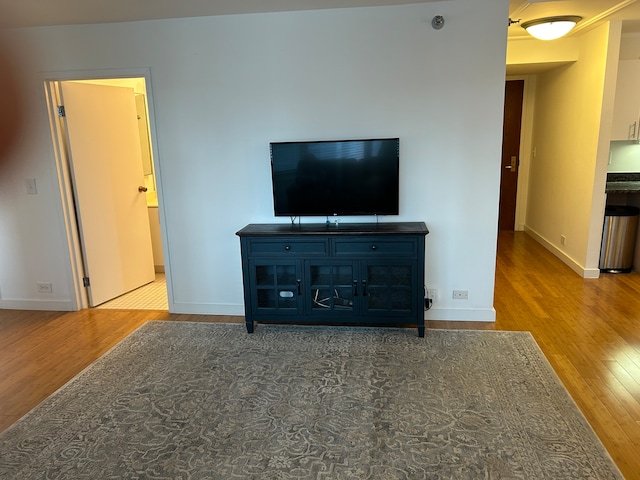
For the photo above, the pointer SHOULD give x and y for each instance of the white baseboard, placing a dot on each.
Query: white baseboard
(449, 314)
(461, 314)
(566, 259)
(207, 308)
(53, 305)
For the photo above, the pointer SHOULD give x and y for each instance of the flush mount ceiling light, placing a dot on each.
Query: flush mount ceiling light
(550, 28)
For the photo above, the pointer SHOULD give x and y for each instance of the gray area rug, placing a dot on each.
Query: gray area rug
(179, 400)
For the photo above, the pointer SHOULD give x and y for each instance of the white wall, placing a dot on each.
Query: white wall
(571, 143)
(624, 157)
(223, 87)
(630, 46)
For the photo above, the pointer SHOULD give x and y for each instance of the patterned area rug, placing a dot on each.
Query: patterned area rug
(179, 400)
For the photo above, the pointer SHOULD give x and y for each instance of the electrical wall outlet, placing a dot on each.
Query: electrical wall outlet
(461, 294)
(44, 287)
(563, 240)
(432, 293)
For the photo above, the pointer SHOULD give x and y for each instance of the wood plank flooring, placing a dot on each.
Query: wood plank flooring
(588, 329)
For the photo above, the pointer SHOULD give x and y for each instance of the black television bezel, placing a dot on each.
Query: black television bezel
(342, 212)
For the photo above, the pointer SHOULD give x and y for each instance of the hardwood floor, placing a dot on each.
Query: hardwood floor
(588, 329)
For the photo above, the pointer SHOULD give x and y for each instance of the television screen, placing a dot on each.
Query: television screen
(340, 177)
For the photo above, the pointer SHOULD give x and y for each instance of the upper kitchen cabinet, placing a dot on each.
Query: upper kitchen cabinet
(626, 109)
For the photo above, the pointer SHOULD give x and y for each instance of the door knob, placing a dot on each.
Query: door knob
(142, 189)
(514, 164)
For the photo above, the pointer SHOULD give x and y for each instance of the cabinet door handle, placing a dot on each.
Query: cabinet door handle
(287, 247)
(373, 247)
(298, 283)
(355, 288)
(364, 288)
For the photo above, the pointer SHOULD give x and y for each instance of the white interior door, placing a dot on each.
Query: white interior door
(106, 168)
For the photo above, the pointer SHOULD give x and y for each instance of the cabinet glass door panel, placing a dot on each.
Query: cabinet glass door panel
(400, 276)
(278, 274)
(332, 287)
(389, 288)
(401, 300)
(264, 274)
(277, 287)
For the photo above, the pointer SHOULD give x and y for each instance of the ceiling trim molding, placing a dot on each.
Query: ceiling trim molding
(603, 15)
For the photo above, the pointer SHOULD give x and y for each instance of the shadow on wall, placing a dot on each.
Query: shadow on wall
(11, 120)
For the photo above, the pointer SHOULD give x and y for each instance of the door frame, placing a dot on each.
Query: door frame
(526, 149)
(76, 271)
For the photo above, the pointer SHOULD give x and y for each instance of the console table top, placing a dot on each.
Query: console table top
(391, 228)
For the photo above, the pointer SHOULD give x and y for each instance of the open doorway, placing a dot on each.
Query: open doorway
(109, 187)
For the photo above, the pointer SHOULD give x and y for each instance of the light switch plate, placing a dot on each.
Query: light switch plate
(32, 188)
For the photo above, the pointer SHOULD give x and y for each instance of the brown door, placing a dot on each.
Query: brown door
(513, 95)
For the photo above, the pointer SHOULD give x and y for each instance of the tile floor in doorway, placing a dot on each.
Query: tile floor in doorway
(152, 296)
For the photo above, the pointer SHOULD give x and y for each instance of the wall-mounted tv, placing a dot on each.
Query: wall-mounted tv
(337, 177)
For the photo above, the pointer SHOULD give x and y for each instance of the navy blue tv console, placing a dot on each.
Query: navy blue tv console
(353, 273)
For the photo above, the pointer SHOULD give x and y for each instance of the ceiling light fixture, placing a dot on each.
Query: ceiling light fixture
(550, 28)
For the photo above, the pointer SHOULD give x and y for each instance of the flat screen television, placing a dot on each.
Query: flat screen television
(337, 177)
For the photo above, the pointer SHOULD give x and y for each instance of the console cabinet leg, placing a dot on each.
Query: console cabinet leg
(249, 327)
(421, 330)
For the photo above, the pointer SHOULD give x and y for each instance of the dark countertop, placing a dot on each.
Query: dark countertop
(623, 187)
(623, 183)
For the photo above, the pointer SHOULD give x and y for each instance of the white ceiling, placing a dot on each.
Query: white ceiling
(21, 13)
